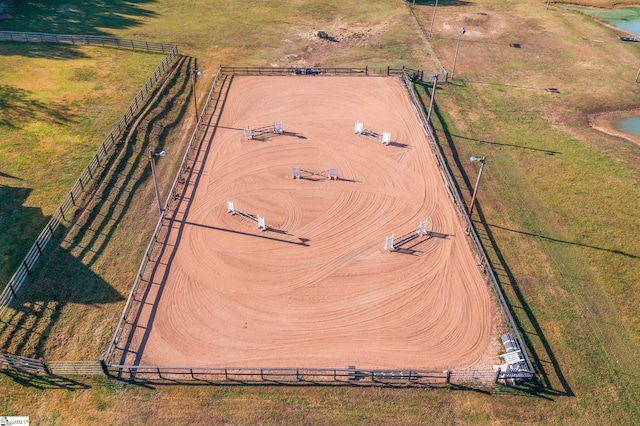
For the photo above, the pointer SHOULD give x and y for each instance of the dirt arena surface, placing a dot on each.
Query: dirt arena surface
(317, 289)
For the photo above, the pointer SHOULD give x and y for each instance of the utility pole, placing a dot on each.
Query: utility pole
(455, 57)
(475, 188)
(433, 78)
(152, 160)
(433, 18)
(194, 73)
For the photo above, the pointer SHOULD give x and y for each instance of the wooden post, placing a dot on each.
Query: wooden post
(12, 290)
(433, 18)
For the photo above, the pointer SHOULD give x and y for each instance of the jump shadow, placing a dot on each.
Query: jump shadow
(303, 241)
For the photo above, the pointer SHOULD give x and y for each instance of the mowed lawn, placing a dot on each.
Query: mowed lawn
(556, 209)
(57, 103)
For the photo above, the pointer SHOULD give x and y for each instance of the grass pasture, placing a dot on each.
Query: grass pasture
(57, 103)
(556, 208)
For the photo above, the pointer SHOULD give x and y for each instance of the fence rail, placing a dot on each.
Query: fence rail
(483, 260)
(73, 368)
(348, 376)
(21, 363)
(294, 71)
(88, 179)
(145, 46)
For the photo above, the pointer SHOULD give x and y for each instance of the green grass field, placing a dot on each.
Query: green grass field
(57, 103)
(556, 209)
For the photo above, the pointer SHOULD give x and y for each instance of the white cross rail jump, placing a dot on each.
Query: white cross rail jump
(257, 219)
(384, 138)
(257, 132)
(331, 173)
(391, 244)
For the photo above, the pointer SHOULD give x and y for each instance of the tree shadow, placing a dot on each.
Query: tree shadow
(58, 279)
(454, 163)
(18, 107)
(19, 227)
(41, 50)
(62, 17)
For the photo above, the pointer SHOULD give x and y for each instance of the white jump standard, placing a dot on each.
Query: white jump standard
(331, 174)
(256, 133)
(257, 219)
(391, 244)
(384, 138)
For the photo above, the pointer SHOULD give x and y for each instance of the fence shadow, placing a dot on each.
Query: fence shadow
(158, 279)
(43, 382)
(95, 226)
(497, 262)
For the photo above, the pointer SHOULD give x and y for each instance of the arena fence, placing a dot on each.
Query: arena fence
(312, 376)
(294, 71)
(353, 376)
(483, 260)
(90, 176)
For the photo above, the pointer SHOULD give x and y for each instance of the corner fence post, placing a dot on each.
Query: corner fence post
(448, 378)
(103, 364)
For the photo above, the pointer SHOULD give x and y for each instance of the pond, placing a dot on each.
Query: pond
(628, 125)
(626, 18)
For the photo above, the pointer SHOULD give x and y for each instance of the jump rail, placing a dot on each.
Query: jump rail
(470, 229)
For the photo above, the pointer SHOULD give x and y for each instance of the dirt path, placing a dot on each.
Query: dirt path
(317, 289)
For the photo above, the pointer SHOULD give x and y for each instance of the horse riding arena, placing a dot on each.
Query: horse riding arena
(317, 285)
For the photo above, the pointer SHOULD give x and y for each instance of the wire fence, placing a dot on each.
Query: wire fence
(89, 177)
(483, 261)
(87, 40)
